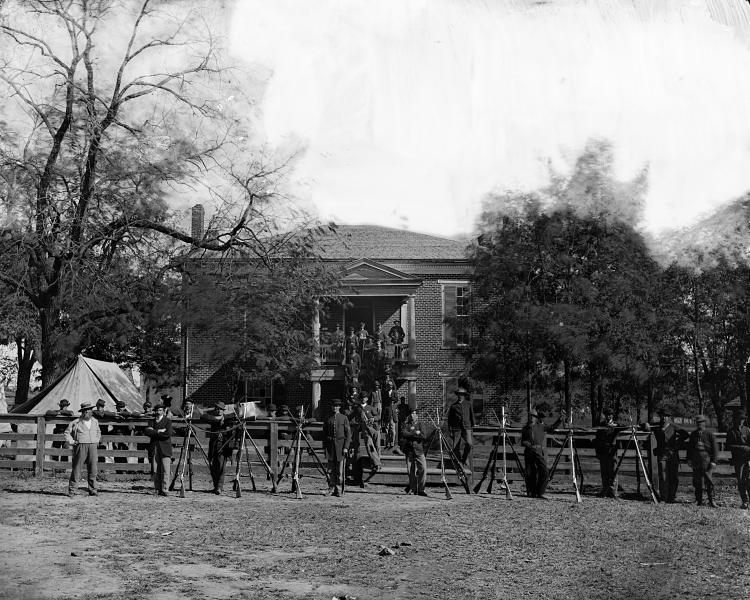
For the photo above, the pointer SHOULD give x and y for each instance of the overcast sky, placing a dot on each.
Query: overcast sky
(410, 111)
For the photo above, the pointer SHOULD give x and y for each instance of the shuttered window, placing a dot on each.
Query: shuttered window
(456, 309)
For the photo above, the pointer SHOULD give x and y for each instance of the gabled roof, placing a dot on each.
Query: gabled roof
(384, 243)
(365, 277)
(86, 380)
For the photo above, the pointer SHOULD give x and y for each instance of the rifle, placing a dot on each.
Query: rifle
(454, 460)
(448, 495)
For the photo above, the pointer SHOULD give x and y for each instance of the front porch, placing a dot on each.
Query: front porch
(369, 336)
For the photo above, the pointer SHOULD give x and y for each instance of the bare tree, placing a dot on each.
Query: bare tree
(109, 107)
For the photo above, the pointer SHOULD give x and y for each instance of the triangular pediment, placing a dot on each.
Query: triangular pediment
(370, 271)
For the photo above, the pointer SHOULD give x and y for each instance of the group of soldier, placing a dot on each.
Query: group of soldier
(352, 437)
(352, 441)
(700, 445)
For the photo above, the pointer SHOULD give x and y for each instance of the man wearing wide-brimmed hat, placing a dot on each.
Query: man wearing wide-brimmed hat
(461, 422)
(667, 452)
(219, 447)
(702, 454)
(83, 434)
(534, 442)
(738, 442)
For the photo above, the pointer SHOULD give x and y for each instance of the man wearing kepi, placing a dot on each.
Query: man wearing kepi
(668, 440)
(702, 453)
(738, 442)
(415, 436)
(83, 435)
(338, 436)
(160, 433)
(534, 441)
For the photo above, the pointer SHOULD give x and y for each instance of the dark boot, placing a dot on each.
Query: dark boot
(699, 497)
(711, 499)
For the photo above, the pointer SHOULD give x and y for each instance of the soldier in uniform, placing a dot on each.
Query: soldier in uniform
(122, 414)
(605, 444)
(534, 441)
(667, 452)
(219, 448)
(363, 445)
(351, 344)
(99, 413)
(414, 438)
(402, 413)
(338, 436)
(160, 432)
(60, 428)
(702, 454)
(738, 442)
(397, 335)
(461, 422)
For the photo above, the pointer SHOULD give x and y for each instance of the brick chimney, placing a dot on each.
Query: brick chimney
(198, 214)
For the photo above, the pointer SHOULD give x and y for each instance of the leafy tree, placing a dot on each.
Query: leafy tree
(255, 316)
(562, 276)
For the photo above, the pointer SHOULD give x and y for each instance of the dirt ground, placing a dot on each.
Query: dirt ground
(129, 543)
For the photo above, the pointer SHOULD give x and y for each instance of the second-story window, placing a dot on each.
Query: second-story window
(456, 310)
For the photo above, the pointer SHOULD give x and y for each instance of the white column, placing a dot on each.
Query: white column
(411, 315)
(315, 397)
(412, 394)
(316, 333)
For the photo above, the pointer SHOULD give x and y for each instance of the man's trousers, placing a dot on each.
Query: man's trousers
(669, 476)
(417, 464)
(537, 473)
(83, 454)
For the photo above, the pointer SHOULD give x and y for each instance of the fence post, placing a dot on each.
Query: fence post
(41, 434)
(273, 448)
(650, 463)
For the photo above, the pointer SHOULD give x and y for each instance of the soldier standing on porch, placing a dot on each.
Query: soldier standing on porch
(667, 452)
(702, 453)
(338, 436)
(397, 335)
(738, 441)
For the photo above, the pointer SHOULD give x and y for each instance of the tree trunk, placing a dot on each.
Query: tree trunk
(528, 392)
(650, 402)
(592, 398)
(566, 388)
(26, 359)
(48, 319)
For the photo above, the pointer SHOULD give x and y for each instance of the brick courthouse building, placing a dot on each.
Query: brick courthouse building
(388, 275)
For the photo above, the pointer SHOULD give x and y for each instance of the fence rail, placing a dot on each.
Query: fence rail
(33, 446)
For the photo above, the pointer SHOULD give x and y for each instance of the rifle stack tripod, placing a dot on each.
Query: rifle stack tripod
(445, 448)
(501, 439)
(296, 448)
(575, 460)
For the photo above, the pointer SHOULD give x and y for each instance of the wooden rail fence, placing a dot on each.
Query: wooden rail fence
(31, 446)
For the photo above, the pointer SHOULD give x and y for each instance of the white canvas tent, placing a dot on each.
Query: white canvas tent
(86, 380)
